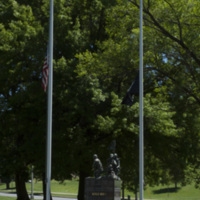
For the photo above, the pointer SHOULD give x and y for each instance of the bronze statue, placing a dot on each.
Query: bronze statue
(117, 168)
(113, 167)
(97, 167)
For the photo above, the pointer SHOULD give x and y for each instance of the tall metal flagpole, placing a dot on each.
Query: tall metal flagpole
(141, 123)
(50, 91)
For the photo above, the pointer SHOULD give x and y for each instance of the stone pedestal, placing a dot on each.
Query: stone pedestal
(102, 189)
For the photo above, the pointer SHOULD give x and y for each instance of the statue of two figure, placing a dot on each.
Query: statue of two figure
(113, 167)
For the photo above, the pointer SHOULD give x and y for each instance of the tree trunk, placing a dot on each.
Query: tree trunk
(122, 190)
(136, 197)
(21, 187)
(7, 184)
(44, 186)
(81, 188)
(176, 185)
(136, 194)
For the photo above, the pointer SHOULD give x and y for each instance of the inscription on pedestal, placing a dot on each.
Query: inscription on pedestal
(102, 189)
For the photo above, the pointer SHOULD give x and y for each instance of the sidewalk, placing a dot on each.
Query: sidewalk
(36, 196)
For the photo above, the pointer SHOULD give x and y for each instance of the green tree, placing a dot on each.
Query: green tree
(19, 77)
(173, 54)
(171, 64)
(95, 58)
(24, 30)
(122, 121)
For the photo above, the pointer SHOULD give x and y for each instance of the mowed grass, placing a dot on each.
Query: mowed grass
(7, 198)
(70, 189)
(67, 188)
(188, 192)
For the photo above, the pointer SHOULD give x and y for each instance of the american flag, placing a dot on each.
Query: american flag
(45, 73)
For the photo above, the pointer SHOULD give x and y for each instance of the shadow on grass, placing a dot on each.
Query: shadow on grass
(38, 193)
(9, 192)
(11, 188)
(166, 190)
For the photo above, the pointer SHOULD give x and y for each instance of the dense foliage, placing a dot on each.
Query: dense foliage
(96, 57)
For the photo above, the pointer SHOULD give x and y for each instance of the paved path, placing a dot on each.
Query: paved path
(41, 197)
(36, 196)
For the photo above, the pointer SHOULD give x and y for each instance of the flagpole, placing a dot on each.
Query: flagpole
(49, 112)
(141, 123)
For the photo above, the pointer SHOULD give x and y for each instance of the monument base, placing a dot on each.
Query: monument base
(102, 189)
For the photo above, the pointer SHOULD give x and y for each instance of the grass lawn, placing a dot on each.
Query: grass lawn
(6, 198)
(65, 189)
(170, 193)
(70, 189)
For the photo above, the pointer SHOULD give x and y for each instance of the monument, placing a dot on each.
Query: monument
(105, 185)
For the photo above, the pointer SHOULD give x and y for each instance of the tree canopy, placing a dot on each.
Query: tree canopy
(96, 58)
